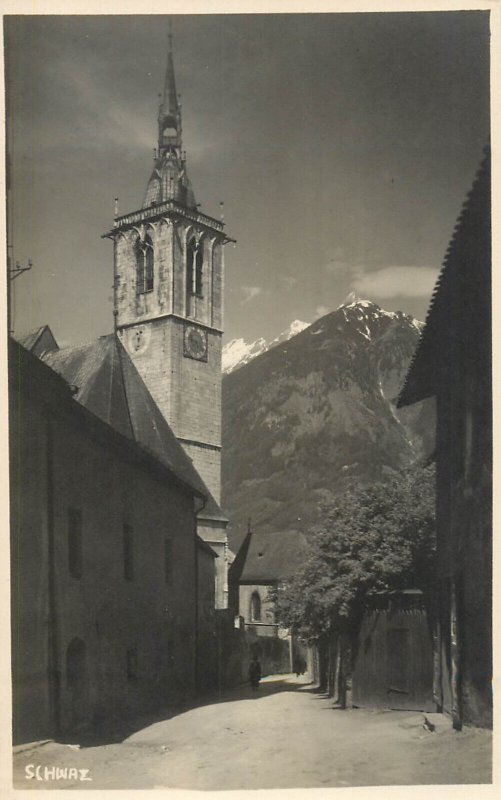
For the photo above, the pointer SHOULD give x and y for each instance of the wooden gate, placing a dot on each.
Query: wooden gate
(394, 659)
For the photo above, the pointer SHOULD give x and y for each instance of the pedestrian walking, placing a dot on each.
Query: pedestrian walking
(254, 673)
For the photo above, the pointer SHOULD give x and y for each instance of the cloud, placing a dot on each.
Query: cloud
(396, 281)
(321, 311)
(250, 293)
(337, 265)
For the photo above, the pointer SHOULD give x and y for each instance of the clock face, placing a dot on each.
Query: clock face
(195, 343)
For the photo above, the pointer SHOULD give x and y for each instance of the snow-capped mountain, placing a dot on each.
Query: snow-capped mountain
(364, 308)
(314, 415)
(237, 352)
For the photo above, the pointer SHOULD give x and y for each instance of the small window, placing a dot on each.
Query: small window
(132, 673)
(128, 545)
(75, 555)
(168, 561)
(255, 607)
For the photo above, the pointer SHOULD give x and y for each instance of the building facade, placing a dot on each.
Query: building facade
(168, 307)
(453, 363)
(262, 562)
(103, 550)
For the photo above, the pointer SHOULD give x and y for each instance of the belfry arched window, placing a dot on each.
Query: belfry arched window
(144, 265)
(199, 265)
(194, 271)
(255, 607)
(190, 264)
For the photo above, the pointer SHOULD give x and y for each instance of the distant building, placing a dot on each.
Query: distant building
(263, 560)
(105, 618)
(453, 364)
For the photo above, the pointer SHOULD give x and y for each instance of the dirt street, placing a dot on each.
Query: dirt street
(286, 735)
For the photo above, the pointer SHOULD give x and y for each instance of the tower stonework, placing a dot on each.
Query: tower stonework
(168, 307)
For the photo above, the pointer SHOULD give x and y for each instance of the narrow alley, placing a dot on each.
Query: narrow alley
(285, 735)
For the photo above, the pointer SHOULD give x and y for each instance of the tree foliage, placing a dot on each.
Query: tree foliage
(372, 539)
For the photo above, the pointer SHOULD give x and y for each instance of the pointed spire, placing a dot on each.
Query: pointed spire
(169, 180)
(170, 104)
(169, 113)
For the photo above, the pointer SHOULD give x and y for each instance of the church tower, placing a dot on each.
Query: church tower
(168, 307)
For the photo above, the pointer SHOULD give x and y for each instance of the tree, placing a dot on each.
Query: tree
(371, 539)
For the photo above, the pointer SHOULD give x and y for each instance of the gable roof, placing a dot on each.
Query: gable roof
(106, 382)
(268, 557)
(39, 341)
(460, 308)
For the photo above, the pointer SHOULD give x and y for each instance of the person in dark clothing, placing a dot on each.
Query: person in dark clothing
(254, 673)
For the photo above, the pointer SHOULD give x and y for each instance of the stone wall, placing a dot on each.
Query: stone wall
(207, 643)
(214, 533)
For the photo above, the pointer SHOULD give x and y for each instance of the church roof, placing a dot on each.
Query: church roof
(107, 383)
(268, 557)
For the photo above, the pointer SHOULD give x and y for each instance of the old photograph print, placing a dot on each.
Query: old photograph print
(250, 399)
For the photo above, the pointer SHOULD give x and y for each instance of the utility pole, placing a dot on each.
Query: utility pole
(13, 272)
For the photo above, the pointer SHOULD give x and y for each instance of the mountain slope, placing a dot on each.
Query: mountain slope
(312, 416)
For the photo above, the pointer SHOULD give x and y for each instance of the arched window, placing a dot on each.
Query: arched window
(190, 260)
(199, 272)
(194, 271)
(191, 253)
(255, 607)
(144, 265)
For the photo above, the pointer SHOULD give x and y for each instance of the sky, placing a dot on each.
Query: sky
(342, 146)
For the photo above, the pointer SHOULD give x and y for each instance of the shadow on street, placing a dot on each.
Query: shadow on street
(117, 731)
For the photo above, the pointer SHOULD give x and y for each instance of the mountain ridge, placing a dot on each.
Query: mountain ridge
(313, 415)
(237, 352)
